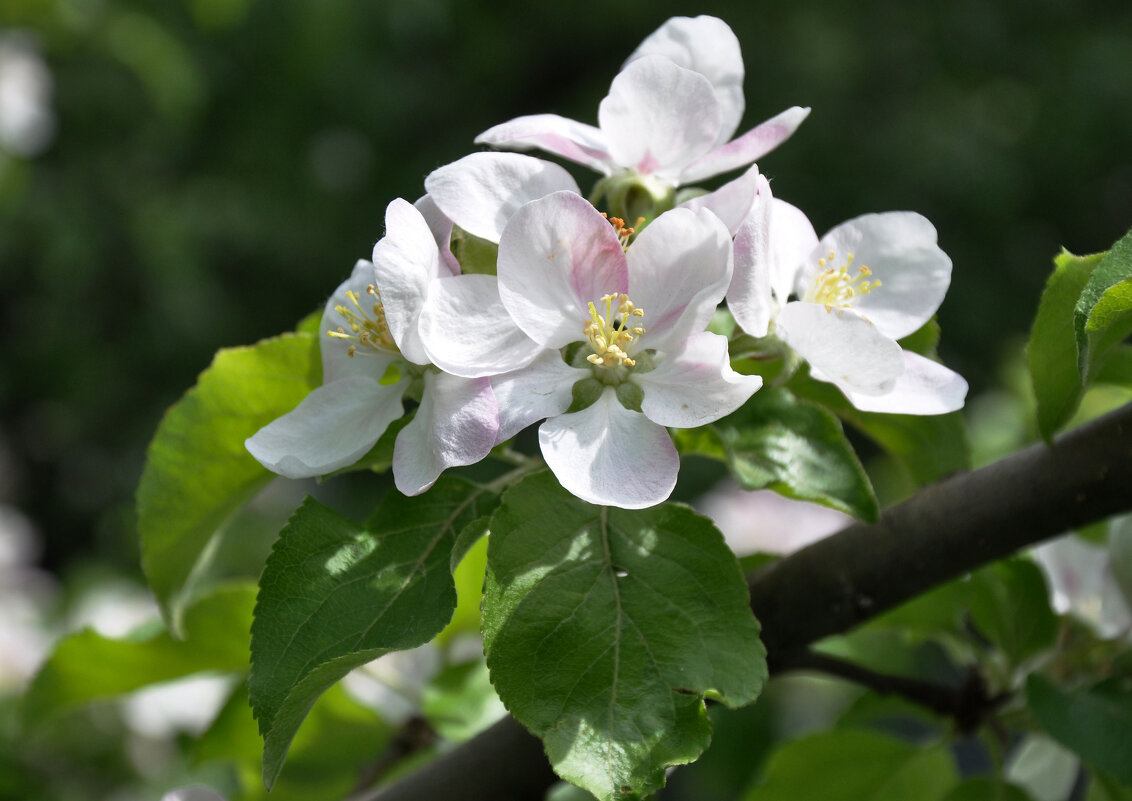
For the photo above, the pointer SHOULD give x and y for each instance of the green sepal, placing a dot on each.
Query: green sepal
(475, 255)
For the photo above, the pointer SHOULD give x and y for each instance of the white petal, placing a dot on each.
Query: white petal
(576, 141)
(792, 240)
(708, 46)
(900, 249)
(333, 427)
(406, 260)
(455, 424)
(336, 360)
(544, 388)
(841, 347)
(749, 295)
(659, 117)
(679, 271)
(749, 147)
(695, 386)
(609, 455)
(481, 191)
(556, 256)
(925, 387)
(466, 331)
(441, 228)
(732, 202)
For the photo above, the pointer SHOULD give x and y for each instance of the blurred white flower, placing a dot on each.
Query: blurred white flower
(25, 595)
(189, 705)
(766, 522)
(27, 123)
(1082, 584)
(392, 684)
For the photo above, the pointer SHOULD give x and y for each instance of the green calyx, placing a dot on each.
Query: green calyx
(632, 196)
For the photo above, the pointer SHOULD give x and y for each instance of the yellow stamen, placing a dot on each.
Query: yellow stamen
(611, 334)
(838, 286)
(368, 329)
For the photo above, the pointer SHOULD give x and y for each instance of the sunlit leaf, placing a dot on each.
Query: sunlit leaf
(604, 629)
(197, 471)
(335, 595)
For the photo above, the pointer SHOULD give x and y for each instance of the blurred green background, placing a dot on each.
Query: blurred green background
(177, 177)
(210, 170)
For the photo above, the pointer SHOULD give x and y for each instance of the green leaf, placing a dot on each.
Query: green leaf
(923, 340)
(855, 765)
(1052, 349)
(1095, 722)
(87, 666)
(460, 702)
(1010, 605)
(797, 449)
(334, 596)
(1105, 788)
(1116, 367)
(197, 471)
(604, 628)
(1102, 316)
(929, 447)
(984, 788)
(337, 740)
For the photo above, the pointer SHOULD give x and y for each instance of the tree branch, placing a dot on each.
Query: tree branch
(833, 585)
(968, 704)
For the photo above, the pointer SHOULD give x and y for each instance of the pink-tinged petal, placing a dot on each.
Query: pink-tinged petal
(556, 256)
(732, 202)
(406, 260)
(925, 387)
(749, 296)
(696, 385)
(336, 360)
(544, 388)
(659, 117)
(679, 271)
(792, 239)
(455, 425)
(611, 456)
(333, 427)
(749, 147)
(706, 45)
(572, 140)
(441, 228)
(900, 248)
(481, 191)
(466, 330)
(841, 347)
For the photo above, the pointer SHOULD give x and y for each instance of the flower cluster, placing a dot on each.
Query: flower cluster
(504, 296)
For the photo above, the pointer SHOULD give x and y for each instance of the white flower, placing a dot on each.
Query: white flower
(372, 355)
(576, 306)
(841, 302)
(669, 114)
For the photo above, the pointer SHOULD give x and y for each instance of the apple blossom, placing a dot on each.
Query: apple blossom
(581, 313)
(842, 302)
(666, 121)
(372, 358)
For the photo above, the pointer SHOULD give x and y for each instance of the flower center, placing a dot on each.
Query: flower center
(610, 335)
(368, 330)
(624, 232)
(836, 286)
